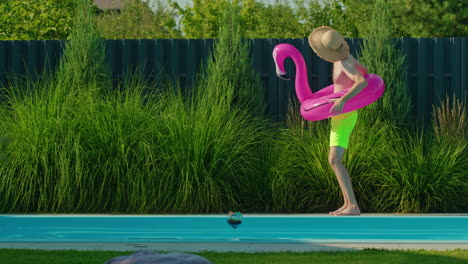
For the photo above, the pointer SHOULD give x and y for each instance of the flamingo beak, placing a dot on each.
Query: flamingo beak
(281, 74)
(280, 70)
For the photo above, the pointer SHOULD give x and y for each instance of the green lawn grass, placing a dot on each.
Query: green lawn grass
(20, 256)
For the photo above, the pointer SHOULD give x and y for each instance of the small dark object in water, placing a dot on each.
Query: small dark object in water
(234, 219)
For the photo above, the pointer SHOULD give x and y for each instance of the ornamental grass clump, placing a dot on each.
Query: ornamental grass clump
(422, 175)
(424, 171)
(211, 141)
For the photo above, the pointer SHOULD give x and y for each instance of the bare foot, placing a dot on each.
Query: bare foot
(351, 210)
(339, 210)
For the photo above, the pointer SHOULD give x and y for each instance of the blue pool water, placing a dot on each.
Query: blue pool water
(254, 229)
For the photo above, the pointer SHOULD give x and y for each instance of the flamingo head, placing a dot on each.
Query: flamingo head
(280, 53)
(279, 56)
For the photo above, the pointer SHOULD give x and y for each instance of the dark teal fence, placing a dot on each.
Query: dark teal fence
(436, 66)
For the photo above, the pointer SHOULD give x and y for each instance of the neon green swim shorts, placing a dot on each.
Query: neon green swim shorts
(341, 128)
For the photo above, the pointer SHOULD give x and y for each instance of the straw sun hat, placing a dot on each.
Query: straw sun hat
(328, 44)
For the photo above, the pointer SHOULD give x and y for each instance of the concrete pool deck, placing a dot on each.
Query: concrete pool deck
(249, 246)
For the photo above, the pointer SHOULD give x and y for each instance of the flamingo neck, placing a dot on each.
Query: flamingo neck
(303, 90)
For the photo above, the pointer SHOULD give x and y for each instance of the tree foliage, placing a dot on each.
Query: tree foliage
(137, 21)
(314, 13)
(431, 18)
(202, 19)
(420, 18)
(278, 20)
(36, 19)
(413, 18)
(53, 19)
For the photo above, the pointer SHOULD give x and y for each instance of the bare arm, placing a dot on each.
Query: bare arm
(361, 68)
(354, 69)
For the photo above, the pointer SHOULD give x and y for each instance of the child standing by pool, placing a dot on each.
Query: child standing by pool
(347, 73)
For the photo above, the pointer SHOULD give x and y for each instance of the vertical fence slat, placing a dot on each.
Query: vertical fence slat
(308, 54)
(464, 70)
(110, 57)
(268, 73)
(52, 55)
(141, 47)
(206, 45)
(283, 93)
(114, 59)
(439, 61)
(152, 63)
(323, 72)
(421, 88)
(127, 56)
(182, 61)
(277, 99)
(174, 63)
(429, 69)
(14, 57)
(456, 65)
(31, 61)
(160, 56)
(190, 62)
(258, 59)
(274, 84)
(313, 74)
(3, 63)
(41, 60)
(412, 67)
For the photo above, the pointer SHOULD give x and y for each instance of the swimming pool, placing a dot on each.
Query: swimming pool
(284, 229)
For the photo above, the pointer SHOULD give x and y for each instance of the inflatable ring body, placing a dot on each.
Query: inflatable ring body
(316, 106)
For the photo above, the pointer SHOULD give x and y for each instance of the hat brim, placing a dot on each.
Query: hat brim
(324, 52)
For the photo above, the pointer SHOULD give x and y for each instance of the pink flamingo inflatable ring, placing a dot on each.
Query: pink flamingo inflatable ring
(316, 106)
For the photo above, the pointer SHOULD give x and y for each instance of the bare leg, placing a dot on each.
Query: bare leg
(350, 206)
